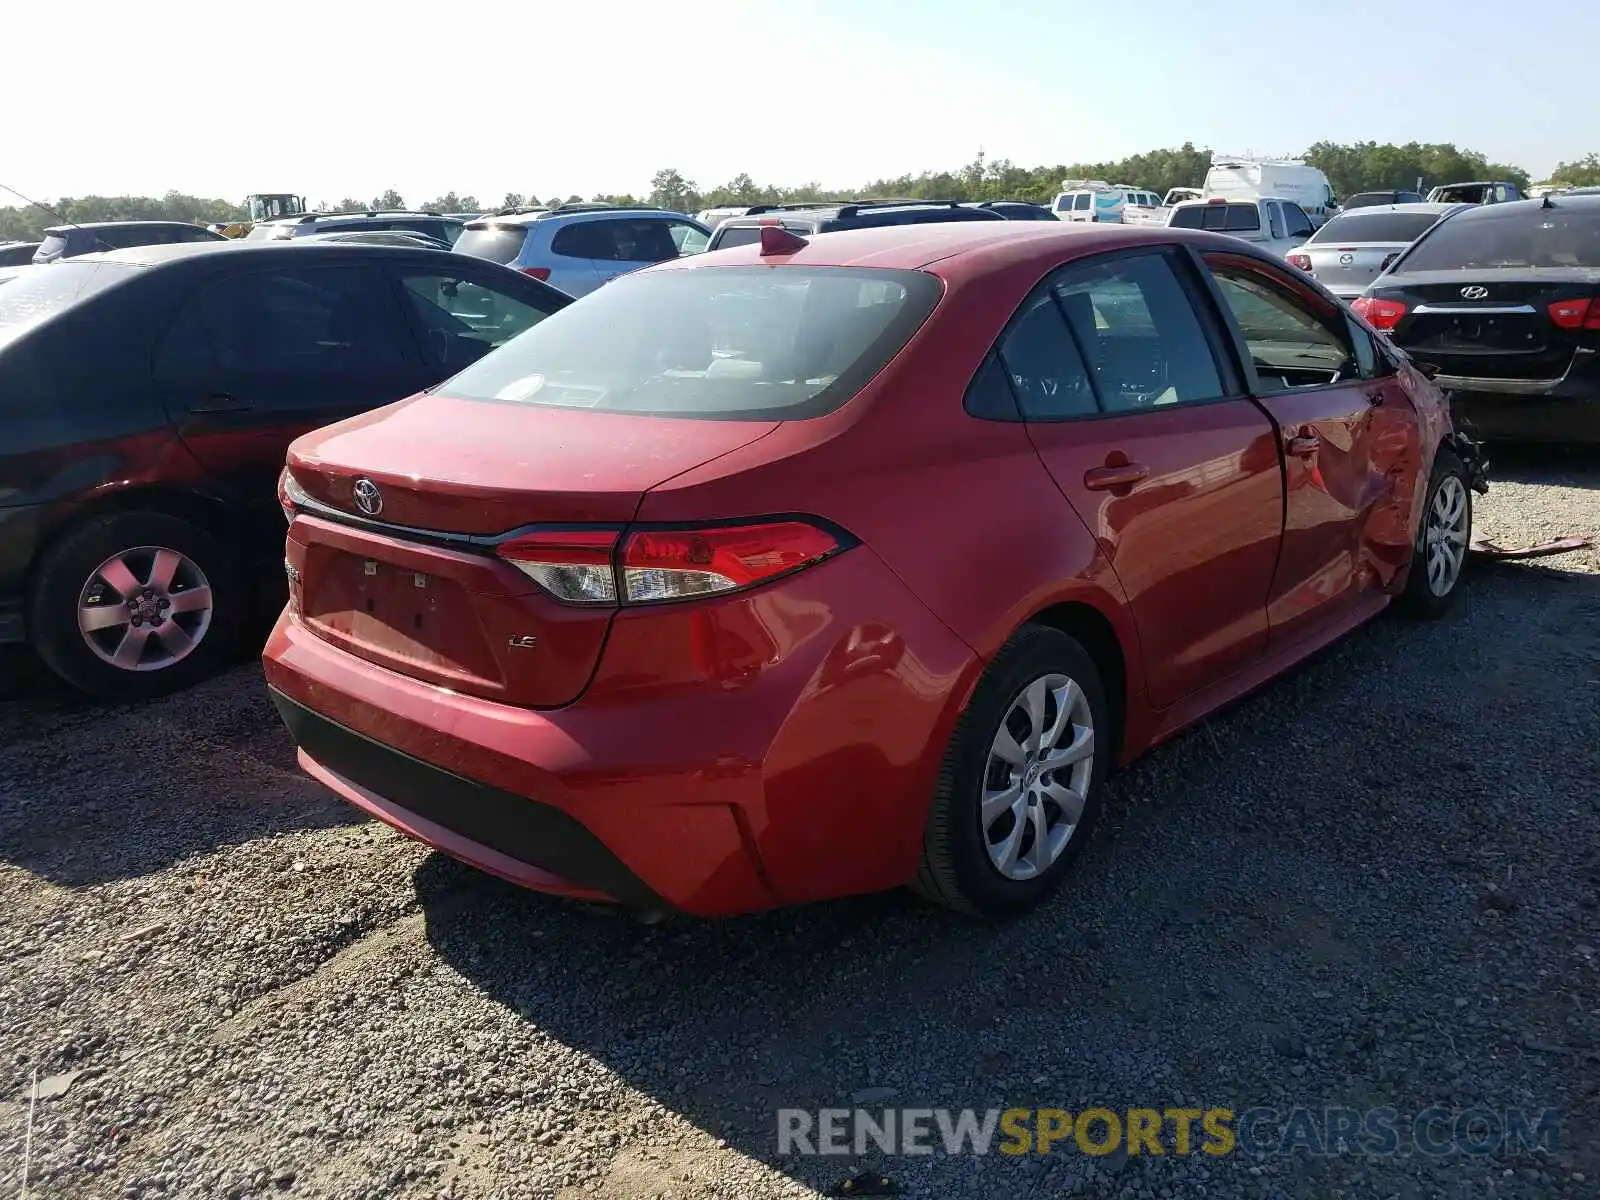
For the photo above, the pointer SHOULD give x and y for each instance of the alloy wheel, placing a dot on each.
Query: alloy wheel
(145, 609)
(1041, 763)
(1445, 535)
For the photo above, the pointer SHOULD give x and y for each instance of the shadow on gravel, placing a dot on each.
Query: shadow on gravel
(93, 792)
(1568, 466)
(1313, 899)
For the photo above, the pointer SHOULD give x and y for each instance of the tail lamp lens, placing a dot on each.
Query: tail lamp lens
(572, 565)
(584, 566)
(1575, 314)
(1380, 314)
(675, 564)
(291, 497)
(1303, 261)
(542, 274)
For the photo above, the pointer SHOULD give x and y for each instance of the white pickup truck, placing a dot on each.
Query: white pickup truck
(1272, 223)
(1156, 214)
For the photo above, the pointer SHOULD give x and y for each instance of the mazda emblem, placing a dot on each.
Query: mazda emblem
(1475, 292)
(1346, 259)
(367, 497)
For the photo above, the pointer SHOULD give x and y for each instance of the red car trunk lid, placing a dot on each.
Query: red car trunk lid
(413, 583)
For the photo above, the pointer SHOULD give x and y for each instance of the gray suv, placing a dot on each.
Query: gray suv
(863, 214)
(578, 247)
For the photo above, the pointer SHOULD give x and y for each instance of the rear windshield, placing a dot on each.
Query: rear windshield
(732, 343)
(1225, 218)
(497, 243)
(32, 296)
(1504, 236)
(1391, 227)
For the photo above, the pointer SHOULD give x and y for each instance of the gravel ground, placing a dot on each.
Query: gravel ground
(1376, 883)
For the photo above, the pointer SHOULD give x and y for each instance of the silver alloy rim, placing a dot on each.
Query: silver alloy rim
(1445, 535)
(145, 609)
(1036, 779)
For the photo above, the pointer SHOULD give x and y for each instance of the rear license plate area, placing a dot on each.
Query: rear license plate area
(392, 612)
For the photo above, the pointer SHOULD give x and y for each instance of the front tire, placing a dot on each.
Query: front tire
(134, 605)
(1439, 555)
(1019, 788)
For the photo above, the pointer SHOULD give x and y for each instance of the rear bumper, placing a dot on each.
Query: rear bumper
(1563, 409)
(506, 835)
(768, 749)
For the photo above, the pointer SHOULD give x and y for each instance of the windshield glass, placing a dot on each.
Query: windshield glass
(31, 296)
(752, 343)
(1390, 227)
(1511, 236)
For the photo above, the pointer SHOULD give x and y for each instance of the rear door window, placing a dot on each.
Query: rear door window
(307, 321)
(585, 239)
(461, 318)
(1275, 218)
(1082, 202)
(1043, 364)
(687, 238)
(1144, 344)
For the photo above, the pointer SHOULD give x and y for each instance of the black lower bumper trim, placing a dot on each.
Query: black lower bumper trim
(526, 830)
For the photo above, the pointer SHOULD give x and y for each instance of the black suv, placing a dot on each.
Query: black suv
(148, 397)
(865, 214)
(429, 224)
(69, 241)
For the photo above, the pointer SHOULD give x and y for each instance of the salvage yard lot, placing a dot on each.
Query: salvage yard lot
(1375, 883)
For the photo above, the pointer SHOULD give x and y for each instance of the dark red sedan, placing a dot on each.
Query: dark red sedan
(807, 569)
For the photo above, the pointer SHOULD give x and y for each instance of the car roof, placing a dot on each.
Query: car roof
(546, 216)
(89, 226)
(1496, 212)
(292, 248)
(960, 247)
(1420, 206)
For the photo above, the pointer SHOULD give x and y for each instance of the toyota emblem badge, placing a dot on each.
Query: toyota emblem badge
(367, 497)
(1475, 292)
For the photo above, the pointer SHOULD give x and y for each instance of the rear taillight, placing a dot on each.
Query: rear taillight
(291, 497)
(542, 274)
(1380, 314)
(1576, 314)
(1303, 261)
(653, 565)
(673, 564)
(573, 565)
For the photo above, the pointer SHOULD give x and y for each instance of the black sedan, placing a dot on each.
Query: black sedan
(1504, 300)
(148, 396)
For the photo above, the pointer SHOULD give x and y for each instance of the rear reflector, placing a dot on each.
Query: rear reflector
(573, 565)
(1303, 261)
(542, 274)
(1576, 314)
(1380, 314)
(582, 566)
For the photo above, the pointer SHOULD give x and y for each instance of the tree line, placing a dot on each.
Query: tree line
(1357, 167)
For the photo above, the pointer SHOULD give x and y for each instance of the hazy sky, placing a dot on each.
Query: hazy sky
(335, 98)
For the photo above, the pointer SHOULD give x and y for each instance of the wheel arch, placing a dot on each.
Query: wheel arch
(1097, 634)
(216, 517)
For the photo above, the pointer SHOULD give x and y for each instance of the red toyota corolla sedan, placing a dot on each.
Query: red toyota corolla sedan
(807, 569)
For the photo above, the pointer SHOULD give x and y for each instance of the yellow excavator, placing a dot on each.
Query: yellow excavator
(263, 206)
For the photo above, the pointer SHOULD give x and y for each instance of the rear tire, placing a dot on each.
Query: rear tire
(1444, 535)
(133, 605)
(1019, 789)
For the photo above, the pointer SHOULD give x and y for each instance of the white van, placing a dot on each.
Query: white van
(1288, 179)
(1096, 200)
